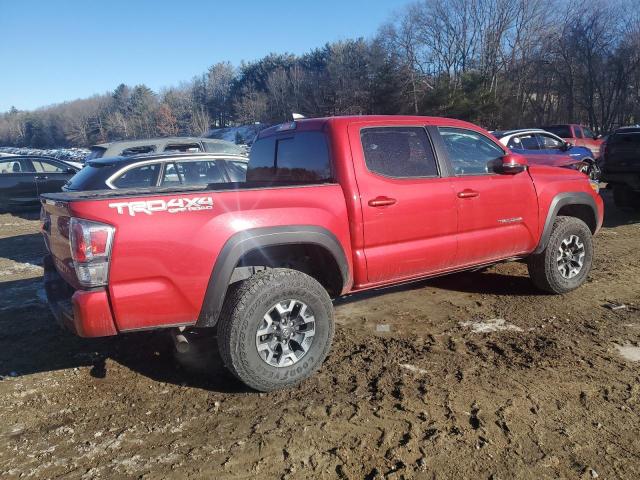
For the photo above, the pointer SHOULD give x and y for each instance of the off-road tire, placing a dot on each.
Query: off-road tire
(543, 267)
(624, 197)
(245, 306)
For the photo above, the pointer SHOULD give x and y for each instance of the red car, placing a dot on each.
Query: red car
(330, 207)
(577, 135)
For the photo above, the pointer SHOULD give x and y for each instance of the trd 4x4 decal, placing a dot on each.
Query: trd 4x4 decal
(173, 205)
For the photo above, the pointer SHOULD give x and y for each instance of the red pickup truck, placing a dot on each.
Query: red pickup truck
(330, 207)
(578, 135)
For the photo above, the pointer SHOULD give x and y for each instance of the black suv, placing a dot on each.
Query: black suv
(621, 166)
(167, 170)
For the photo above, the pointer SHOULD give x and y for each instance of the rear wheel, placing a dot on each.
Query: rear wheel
(275, 329)
(566, 261)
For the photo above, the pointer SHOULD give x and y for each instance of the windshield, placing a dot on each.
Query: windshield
(86, 178)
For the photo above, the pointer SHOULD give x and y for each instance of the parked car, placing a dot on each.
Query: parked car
(540, 146)
(165, 170)
(24, 178)
(331, 206)
(159, 145)
(621, 166)
(577, 135)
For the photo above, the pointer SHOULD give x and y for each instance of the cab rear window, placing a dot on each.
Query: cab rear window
(299, 158)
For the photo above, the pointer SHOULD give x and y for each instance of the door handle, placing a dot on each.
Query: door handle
(382, 202)
(41, 177)
(468, 193)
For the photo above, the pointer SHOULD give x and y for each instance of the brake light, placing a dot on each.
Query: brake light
(90, 249)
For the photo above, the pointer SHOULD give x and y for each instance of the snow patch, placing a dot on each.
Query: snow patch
(629, 352)
(493, 325)
(413, 368)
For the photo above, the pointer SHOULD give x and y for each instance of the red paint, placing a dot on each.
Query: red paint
(92, 315)
(391, 230)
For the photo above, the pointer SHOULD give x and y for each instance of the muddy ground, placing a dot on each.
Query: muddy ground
(475, 375)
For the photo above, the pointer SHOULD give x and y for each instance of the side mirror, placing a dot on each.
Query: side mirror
(512, 164)
(566, 146)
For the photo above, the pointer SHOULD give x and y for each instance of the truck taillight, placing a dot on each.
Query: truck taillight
(90, 250)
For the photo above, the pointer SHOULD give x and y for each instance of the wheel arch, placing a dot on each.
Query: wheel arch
(572, 204)
(274, 247)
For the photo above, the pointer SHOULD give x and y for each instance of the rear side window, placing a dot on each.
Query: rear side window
(470, 153)
(398, 152)
(296, 159)
(193, 173)
(524, 142)
(138, 177)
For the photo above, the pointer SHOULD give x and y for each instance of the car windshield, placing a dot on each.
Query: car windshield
(83, 179)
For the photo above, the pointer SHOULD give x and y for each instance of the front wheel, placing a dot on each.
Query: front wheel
(275, 328)
(566, 261)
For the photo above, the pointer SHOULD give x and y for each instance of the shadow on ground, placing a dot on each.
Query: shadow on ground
(32, 342)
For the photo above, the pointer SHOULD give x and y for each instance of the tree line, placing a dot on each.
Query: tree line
(498, 63)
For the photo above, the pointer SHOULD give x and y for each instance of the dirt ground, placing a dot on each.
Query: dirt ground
(475, 375)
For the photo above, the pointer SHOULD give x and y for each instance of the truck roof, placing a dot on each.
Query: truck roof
(315, 124)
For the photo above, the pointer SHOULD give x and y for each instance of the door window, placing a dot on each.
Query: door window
(578, 132)
(15, 166)
(470, 153)
(524, 142)
(588, 133)
(398, 152)
(549, 143)
(47, 166)
(138, 177)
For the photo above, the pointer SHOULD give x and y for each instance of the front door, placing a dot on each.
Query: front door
(51, 175)
(17, 185)
(497, 213)
(409, 210)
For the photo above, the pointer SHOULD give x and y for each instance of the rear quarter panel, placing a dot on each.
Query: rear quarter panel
(161, 262)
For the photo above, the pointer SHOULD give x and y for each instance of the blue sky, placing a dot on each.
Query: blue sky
(52, 51)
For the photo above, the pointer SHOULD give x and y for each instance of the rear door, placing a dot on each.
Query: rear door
(408, 207)
(497, 213)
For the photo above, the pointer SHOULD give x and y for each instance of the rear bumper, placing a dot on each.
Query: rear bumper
(87, 313)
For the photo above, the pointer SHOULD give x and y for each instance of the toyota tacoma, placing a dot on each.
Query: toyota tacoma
(329, 207)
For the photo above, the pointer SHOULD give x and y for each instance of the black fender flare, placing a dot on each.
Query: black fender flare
(246, 241)
(559, 201)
